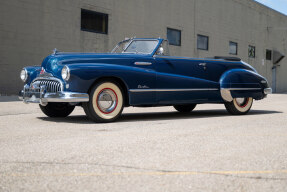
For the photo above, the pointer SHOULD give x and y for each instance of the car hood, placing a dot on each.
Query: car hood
(55, 62)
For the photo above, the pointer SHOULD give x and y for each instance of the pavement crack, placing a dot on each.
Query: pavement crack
(74, 163)
(152, 171)
(252, 177)
(12, 114)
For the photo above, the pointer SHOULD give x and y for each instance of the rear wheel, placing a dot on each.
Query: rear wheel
(57, 109)
(106, 102)
(184, 108)
(239, 106)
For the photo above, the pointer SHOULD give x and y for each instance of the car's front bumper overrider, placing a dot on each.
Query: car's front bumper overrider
(39, 95)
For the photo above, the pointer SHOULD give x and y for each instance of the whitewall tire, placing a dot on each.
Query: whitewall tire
(239, 106)
(106, 102)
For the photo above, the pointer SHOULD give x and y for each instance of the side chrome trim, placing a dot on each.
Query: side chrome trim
(143, 63)
(169, 90)
(241, 89)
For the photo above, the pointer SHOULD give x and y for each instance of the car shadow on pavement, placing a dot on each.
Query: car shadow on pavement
(176, 115)
(151, 116)
(80, 119)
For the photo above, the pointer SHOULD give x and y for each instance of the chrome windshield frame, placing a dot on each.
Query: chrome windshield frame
(124, 41)
(137, 39)
(155, 48)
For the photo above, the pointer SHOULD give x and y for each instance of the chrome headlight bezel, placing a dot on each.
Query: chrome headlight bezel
(24, 75)
(65, 73)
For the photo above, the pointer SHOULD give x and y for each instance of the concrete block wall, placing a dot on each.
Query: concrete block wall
(31, 29)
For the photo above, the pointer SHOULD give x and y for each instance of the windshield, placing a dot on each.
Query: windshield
(136, 46)
(121, 46)
(141, 46)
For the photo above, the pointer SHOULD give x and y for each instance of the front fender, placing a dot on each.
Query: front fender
(83, 76)
(242, 83)
(33, 72)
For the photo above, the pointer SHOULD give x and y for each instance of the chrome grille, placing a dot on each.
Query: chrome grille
(52, 86)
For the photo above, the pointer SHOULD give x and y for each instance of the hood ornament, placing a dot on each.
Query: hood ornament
(55, 51)
(43, 73)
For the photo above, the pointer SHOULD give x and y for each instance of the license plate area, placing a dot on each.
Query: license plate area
(33, 95)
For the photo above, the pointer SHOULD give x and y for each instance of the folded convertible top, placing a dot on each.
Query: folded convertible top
(226, 58)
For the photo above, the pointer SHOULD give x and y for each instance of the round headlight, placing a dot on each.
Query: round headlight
(24, 75)
(65, 73)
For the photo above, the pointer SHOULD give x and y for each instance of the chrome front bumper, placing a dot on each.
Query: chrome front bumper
(39, 95)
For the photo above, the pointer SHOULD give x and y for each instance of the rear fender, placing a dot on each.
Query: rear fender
(237, 83)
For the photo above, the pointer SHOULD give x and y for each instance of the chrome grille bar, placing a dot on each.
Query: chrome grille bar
(52, 86)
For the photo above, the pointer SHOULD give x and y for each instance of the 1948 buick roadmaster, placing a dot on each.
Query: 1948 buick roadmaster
(139, 72)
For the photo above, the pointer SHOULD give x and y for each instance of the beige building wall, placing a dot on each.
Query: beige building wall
(31, 29)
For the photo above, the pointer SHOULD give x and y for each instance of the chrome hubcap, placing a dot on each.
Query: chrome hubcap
(107, 101)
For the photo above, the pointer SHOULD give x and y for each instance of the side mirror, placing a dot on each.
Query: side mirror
(160, 51)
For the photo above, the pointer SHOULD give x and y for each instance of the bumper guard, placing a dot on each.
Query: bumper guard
(39, 95)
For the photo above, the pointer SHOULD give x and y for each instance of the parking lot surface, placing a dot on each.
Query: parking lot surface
(148, 149)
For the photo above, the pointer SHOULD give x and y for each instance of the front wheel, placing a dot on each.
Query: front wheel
(239, 106)
(185, 108)
(57, 109)
(106, 102)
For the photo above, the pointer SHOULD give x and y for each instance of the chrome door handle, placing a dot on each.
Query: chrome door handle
(143, 63)
(202, 64)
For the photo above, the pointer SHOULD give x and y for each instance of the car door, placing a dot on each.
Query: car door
(182, 80)
(143, 81)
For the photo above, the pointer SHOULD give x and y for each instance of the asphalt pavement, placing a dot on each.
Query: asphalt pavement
(147, 149)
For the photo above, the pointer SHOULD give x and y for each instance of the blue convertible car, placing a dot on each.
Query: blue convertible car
(139, 72)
